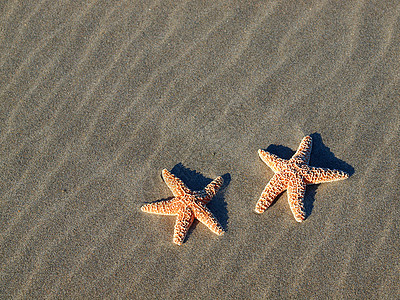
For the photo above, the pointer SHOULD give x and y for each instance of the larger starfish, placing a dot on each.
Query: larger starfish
(187, 205)
(293, 174)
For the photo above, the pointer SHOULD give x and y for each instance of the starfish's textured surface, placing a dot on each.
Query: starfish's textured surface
(187, 205)
(293, 174)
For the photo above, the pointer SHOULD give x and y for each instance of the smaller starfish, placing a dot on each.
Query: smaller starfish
(293, 174)
(187, 205)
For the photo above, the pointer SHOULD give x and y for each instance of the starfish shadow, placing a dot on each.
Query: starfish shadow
(196, 182)
(322, 157)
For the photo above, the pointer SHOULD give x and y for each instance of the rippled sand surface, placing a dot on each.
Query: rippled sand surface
(97, 97)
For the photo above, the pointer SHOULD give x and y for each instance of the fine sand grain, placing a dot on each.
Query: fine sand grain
(97, 97)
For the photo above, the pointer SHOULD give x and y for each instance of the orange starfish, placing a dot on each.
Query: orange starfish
(187, 205)
(293, 174)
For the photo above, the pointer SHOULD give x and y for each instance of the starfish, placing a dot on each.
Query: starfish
(293, 174)
(187, 205)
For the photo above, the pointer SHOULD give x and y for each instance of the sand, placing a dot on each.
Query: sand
(97, 97)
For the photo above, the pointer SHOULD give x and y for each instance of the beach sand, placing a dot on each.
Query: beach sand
(97, 97)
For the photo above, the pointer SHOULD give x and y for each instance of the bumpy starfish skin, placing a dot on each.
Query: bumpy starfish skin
(293, 174)
(187, 205)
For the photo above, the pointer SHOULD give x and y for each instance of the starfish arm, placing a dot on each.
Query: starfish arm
(165, 207)
(204, 215)
(271, 160)
(177, 187)
(296, 191)
(319, 175)
(211, 189)
(183, 222)
(274, 187)
(304, 150)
